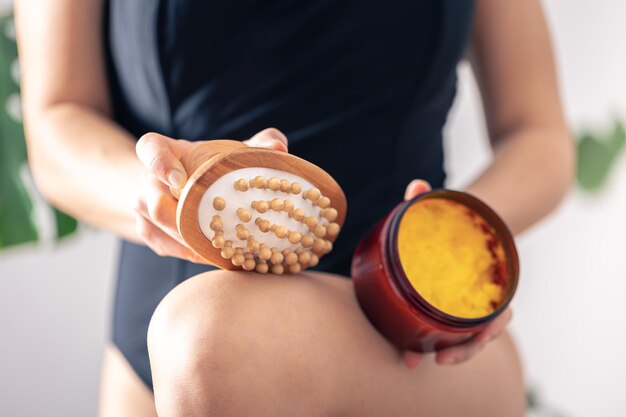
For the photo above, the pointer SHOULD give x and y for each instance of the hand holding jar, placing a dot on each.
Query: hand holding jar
(437, 274)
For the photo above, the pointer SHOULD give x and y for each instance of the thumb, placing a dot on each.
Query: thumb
(156, 152)
(415, 188)
(412, 359)
(270, 138)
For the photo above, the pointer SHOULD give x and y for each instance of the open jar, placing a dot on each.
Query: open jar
(435, 271)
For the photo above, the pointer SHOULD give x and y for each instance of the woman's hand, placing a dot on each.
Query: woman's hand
(156, 206)
(463, 352)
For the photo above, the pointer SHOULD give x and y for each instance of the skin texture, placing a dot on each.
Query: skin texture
(299, 346)
(86, 164)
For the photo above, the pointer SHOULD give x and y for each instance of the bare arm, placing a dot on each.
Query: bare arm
(81, 161)
(533, 152)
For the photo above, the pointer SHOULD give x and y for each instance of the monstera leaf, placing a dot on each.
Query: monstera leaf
(597, 154)
(17, 224)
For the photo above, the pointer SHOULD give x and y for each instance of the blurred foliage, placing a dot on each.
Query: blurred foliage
(17, 224)
(597, 154)
(538, 407)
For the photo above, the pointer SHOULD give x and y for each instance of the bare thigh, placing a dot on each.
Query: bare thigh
(122, 393)
(300, 346)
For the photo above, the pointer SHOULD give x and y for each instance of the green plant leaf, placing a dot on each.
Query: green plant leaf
(618, 138)
(16, 224)
(65, 224)
(597, 154)
(16, 207)
(16, 220)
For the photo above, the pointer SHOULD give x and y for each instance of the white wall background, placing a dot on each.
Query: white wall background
(570, 313)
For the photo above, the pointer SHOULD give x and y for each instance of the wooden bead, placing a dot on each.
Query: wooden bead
(227, 252)
(276, 204)
(241, 232)
(291, 258)
(295, 188)
(294, 268)
(264, 252)
(330, 214)
(278, 269)
(328, 246)
(263, 225)
(252, 244)
(313, 194)
(218, 242)
(311, 222)
(241, 185)
(288, 205)
(280, 231)
(319, 231)
(323, 202)
(276, 258)
(249, 264)
(298, 214)
(294, 237)
(332, 229)
(273, 184)
(219, 203)
(318, 246)
(314, 260)
(304, 258)
(285, 186)
(261, 267)
(238, 259)
(216, 224)
(258, 182)
(244, 215)
(260, 206)
(307, 241)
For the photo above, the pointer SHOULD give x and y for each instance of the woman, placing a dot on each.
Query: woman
(361, 89)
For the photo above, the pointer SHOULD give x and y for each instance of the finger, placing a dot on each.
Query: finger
(161, 206)
(161, 243)
(457, 354)
(496, 327)
(461, 353)
(270, 138)
(412, 359)
(161, 155)
(415, 188)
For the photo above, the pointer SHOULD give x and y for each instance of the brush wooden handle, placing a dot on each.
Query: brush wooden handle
(201, 153)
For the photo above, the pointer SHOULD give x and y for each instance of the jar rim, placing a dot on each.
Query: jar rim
(489, 215)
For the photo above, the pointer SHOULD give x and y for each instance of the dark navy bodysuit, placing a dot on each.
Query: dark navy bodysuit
(361, 88)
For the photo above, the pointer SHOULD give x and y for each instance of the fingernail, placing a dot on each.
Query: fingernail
(176, 178)
(278, 136)
(269, 142)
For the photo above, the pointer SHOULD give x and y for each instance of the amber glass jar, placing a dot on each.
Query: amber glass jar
(391, 302)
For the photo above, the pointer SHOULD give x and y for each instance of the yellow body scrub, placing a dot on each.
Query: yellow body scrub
(452, 257)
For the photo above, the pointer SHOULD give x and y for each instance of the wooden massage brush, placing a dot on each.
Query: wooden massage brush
(257, 209)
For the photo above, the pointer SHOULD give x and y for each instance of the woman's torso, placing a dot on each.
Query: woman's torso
(360, 88)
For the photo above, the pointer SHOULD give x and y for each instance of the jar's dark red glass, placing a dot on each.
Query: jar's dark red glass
(391, 303)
